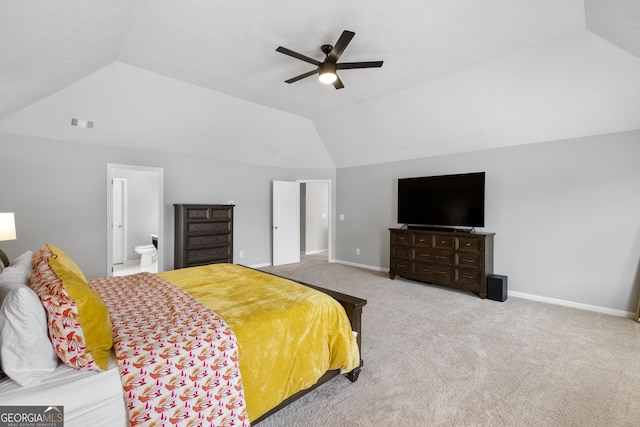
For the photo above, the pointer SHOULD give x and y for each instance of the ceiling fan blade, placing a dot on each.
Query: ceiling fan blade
(301, 76)
(351, 65)
(340, 45)
(297, 55)
(338, 83)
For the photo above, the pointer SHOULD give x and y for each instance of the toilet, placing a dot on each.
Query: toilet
(147, 252)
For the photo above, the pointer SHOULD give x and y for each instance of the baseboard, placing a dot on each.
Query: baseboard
(565, 303)
(366, 266)
(314, 252)
(555, 301)
(266, 264)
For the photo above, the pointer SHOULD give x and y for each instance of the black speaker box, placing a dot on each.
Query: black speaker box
(497, 287)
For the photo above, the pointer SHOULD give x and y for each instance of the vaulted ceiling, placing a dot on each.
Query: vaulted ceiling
(203, 76)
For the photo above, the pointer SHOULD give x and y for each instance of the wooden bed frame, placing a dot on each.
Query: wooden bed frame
(353, 306)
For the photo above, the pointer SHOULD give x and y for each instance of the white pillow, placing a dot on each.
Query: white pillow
(26, 353)
(19, 270)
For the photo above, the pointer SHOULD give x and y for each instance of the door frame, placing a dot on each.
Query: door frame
(330, 214)
(160, 176)
(123, 203)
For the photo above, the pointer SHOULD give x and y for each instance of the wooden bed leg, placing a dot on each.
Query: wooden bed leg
(353, 375)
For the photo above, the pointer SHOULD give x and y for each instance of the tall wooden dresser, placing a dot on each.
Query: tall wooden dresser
(203, 235)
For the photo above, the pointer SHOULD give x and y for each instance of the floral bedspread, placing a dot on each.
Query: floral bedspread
(177, 359)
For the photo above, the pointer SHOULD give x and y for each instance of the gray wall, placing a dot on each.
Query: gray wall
(57, 190)
(566, 215)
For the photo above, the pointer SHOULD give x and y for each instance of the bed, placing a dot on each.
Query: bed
(241, 343)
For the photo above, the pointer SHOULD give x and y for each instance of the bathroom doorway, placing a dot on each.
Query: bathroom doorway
(133, 217)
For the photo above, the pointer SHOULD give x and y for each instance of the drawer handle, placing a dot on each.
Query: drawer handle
(468, 244)
(424, 269)
(468, 276)
(441, 272)
(443, 242)
(440, 257)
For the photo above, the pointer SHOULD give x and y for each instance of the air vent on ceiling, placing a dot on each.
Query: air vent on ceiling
(82, 123)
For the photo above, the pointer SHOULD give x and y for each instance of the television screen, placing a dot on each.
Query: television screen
(445, 200)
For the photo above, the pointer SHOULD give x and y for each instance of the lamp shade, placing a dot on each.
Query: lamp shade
(7, 226)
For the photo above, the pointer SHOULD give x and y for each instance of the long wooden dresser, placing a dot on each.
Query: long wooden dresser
(450, 258)
(203, 235)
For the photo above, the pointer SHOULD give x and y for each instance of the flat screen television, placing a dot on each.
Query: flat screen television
(442, 201)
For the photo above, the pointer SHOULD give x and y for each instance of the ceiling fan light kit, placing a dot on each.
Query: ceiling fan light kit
(326, 70)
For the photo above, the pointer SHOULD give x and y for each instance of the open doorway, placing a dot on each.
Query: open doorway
(302, 221)
(135, 219)
(315, 220)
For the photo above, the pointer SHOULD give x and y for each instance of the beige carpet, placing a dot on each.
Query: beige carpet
(439, 357)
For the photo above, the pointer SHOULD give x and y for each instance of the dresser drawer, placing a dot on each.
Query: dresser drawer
(195, 242)
(208, 227)
(469, 277)
(223, 214)
(205, 212)
(197, 213)
(211, 254)
(422, 240)
(433, 257)
(470, 244)
(444, 242)
(400, 238)
(400, 252)
(435, 273)
(469, 260)
(400, 266)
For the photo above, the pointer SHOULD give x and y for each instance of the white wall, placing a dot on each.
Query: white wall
(57, 191)
(577, 86)
(566, 215)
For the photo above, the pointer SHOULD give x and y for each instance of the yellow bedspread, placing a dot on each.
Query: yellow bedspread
(288, 334)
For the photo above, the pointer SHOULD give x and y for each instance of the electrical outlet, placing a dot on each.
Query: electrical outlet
(241, 254)
(357, 251)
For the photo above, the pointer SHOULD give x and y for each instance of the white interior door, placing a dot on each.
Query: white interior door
(119, 222)
(286, 222)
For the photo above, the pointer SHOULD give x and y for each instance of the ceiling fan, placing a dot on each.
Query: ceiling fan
(327, 68)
